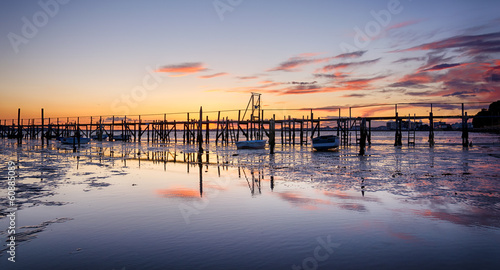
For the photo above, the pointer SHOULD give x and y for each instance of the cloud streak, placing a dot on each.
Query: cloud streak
(213, 75)
(344, 65)
(183, 69)
(470, 44)
(401, 25)
(355, 54)
(294, 63)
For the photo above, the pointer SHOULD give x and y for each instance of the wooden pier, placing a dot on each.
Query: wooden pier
(222, 130)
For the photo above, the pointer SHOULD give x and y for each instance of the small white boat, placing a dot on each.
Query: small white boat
(73, 140)
(254, 144)
(323, 143)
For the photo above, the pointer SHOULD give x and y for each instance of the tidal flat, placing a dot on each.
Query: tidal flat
(116, 205)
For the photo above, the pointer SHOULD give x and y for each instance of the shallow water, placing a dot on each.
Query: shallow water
(150, 206)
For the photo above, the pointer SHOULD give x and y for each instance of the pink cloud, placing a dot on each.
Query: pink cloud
(182, 69)
(213, 75)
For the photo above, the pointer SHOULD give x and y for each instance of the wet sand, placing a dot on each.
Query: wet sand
(143, 206)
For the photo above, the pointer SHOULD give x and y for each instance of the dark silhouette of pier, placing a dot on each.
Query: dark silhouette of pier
(253, 125)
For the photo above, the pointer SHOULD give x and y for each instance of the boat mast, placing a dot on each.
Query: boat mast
(255, 118)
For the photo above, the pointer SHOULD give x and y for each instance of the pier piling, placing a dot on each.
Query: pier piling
(362, 142)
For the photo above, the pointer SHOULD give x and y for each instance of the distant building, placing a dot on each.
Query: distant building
(458, 126)
(391, 125)
(442, 126)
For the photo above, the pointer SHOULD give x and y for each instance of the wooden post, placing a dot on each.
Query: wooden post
(307, 129)
(74, 142)
(188, 134)
(312, 123)
(349, 126)
(175, 131)
(400, 131)
(112, 129)
(251, 122)
(19, 128)
(465, 128)
(398, 136)
(134, 131)
(48, 133)
(338, 125)
(159, 132)
(261, 124)
(362, 143)
(319, 126)
(87, 131)
(67, 127)
(369, 135)
(207, 131)
(289, 130)
(78, 135)
(272, 135)
(43, 128)
(227, 130)
(101, 128)
(200, 137)
(139, 130)
(217, 129)
(165, 128)
(124, 130)
(431, 128)
(148, 130)
(302, 131)
(238, 128)
(282, 138)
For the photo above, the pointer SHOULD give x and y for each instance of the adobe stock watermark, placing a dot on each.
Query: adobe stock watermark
(11, 196)
(373, 28)
(139, 93)
(195, 207)
(321, 253)
(31, 26)
(224, 6)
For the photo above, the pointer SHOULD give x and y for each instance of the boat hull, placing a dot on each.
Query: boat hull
(255, 144)
(323, 143)
(103, 137)
(122, 138)
(73, 140)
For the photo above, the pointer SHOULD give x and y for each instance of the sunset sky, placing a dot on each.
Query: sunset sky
(145, 57)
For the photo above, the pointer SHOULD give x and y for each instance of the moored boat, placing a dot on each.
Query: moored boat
(122, 137)
(73, 140)
(254, 144)
(323, 143)
(96, 137)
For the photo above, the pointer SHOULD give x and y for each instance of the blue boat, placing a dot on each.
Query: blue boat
(96, 137)
(73, 140)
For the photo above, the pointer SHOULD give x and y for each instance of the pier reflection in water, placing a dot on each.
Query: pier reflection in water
(167, 206)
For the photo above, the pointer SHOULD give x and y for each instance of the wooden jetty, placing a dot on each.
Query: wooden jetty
(222, 130)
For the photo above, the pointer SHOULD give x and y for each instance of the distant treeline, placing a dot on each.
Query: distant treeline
(488, 117)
